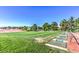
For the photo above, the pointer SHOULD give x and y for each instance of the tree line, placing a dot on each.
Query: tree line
(70, 24)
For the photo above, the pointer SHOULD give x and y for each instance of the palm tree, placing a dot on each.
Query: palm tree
(64, 25)
(71, 24)
(76, 22)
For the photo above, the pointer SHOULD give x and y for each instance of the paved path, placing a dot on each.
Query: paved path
(54, 46)
(59, 42)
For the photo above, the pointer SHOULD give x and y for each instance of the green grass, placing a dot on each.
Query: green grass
(22, 42)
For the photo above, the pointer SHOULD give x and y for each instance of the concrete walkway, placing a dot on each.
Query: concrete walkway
(54, 46)
(59, 42)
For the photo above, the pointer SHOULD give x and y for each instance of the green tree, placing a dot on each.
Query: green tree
(54, 26)
(71, 24)
(76, 23)
(25, 28)
(34, 27)
(64, 25)
(46, 27)
(9, 27)
(39, 28)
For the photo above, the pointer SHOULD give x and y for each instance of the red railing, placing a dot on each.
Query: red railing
(74, 38)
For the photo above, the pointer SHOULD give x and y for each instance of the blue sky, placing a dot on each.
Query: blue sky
(28, 15)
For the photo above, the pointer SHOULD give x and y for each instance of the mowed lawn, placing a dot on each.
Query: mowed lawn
(23, 42)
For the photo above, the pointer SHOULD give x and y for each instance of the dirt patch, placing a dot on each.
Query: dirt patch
(40, 40)
(43, 40)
